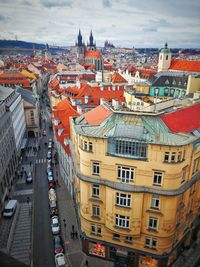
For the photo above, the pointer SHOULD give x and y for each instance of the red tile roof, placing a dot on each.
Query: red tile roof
(62, 112)
(117, 78)
(97, 115)
(185, 65)
(185, 120)
(92, 54)
(95, 93)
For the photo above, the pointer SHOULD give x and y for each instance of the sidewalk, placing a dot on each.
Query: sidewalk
(73, 251)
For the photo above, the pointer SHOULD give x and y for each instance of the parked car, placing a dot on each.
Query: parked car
(49, 145)
(52, 184)
(10, 208)
(29, 178)
(49, 155)
(52, 194)
(50, 173)
(58, 244)
(52, 204)
(49, 167)
(53, 212)
(55, 226)
(60, 260)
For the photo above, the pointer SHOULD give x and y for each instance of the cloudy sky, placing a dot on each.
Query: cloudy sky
(126, 23)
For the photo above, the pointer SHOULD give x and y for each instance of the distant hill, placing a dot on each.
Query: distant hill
(20, 44)
(6, 44)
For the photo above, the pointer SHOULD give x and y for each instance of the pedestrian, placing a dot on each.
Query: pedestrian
(30, 163)
(71, 235)
(86, 263)
(72, 228)
(76, 235)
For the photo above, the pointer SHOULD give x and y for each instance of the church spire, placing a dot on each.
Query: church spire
(91, 39)
(80, 39)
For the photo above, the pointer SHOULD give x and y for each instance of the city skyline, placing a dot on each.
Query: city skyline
(124, 23)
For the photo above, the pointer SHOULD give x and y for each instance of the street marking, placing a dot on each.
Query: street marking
(38, 161)
(24, 192)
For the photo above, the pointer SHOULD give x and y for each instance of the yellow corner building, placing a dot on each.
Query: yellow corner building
(137, 187)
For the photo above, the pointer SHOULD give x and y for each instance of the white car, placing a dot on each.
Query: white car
(60, 260)
(55, 226)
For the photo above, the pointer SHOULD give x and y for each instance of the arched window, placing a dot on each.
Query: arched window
(167, 57)
(160, 57)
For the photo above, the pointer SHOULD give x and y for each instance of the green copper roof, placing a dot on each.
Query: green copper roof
(145, 128)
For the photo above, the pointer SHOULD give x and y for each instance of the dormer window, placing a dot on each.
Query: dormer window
(167, 82)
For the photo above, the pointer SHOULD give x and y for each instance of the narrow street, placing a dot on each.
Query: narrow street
(43, 254)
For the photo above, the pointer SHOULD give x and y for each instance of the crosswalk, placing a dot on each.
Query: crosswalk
(39, 161)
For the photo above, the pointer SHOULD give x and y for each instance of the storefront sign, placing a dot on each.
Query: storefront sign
(97, 250)
(147, 262)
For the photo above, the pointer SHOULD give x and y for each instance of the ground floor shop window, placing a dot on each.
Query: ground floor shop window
(97, 249)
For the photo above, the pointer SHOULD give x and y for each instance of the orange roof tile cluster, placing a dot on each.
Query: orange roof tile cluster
(96, 93)
(92, 54)
(97, 115)
(117, 78)
(62, 112)
(89, 66)
(185, 65)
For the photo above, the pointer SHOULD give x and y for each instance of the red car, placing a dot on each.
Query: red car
(58, 244)
(52, 184)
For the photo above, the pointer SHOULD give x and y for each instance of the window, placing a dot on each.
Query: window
(95, 190)
(173, 157)
(196, 165)
(179, 156)
(156, 91)
(183, 176)
(122, 221)
(123, 200)
(96, 229)
(90, 146)
(155, 202)
(166, 92)
(93, 228)
(95, 168)
(95, 211)
(116, 236)
(153, 223)
(85, 145)
(99, 230)
(167, 57)
(129, 239)
(126, 174)
(130, 148)
(157, 179)
(151, 243)
(166, 158)
(172, 92)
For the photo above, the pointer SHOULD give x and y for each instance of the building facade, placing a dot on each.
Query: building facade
(14, 104)
(8, 154)
(137, 186)
(31, 109)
